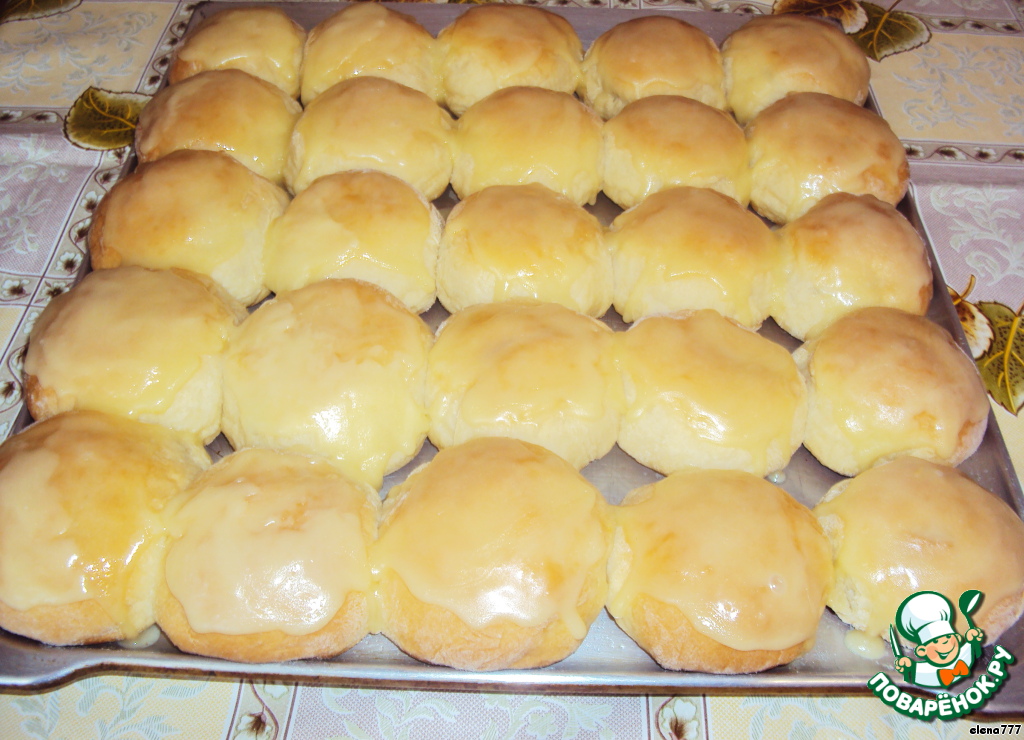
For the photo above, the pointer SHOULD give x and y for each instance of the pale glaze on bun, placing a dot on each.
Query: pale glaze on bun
(262, 41)
(774, 55)
(372, 123)
(491, 47)
(911, 525)
(884, 383)
(268, 560)
(809, 145)
(221, 110)
(691, 248)
(702, 391)
(335, 369)
(197, 210)
(845, 253)
(539, 372)
(81, 538)
(492, 556)
(523, 241)
(718, 571)
(370, 39)
(522, 135)
(140, 343)
(359, 224)
(651, 55)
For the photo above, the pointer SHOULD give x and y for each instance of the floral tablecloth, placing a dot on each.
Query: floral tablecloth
(956, 100)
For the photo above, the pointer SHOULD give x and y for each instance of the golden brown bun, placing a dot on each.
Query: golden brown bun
(662, 141)
(691, 248)
(524, 241)
(268, 560)
(370, 39)
(651, 55)
(221, 110)
(809, 145)
(911, 525)
(522, 135)
(491, 47)
(81, 540)
(197, 210)
(705, 392)
(134, 342)
(359, 224)
(774, 55)
(492, 556)
(845, 253)
(718, 571)
(372, 123)
(538, 372)
(884, 383)
(335, 369)
(262, 41)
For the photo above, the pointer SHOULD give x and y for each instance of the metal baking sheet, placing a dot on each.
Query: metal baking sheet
(608, 661)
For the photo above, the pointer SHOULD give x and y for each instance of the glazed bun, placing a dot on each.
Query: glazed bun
(81, 539)
(845, 253)
(197, 210)
(772, 56)
(140, 343)
(885, 383)
(370, 39)
(703, 391)
(359, 224)
(538, 372)
(691, 248)
(809, 145)
(718, 571)
(492, 556)
(523, 241)
(268, 560)
(262, 41)
(911, 525)
(651, 55)
(222, 110)
(372, 123)
(491, 47)
(522, 135)
(335, 369)
(666, 140)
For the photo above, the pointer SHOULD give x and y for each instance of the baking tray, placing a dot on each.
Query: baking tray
(608, 661)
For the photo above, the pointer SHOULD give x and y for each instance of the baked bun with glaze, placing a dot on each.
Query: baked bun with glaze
(359, 224)
(491, 47)
(884, 383)
(524, 241)
(492, 556)
(268, 560)
(702, 391)
(197, 210)
(81, 536)
(134, 342)
(335, 369)
(911, 525)
(718, 571)
(651, 55)
(538, 372)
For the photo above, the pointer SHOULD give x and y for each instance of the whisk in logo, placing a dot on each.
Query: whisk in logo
(943, 658)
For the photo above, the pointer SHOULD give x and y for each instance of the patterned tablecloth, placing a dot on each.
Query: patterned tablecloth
(957, 101)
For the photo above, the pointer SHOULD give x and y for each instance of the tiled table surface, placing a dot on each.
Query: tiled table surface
(957, 102)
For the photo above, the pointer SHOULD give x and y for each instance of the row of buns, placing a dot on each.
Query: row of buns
(495, 554)
(341, 369)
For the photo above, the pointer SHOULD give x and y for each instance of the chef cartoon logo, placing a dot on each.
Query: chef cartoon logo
(942, 659)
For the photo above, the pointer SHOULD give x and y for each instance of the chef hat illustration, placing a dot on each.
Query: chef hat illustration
(925, 616)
